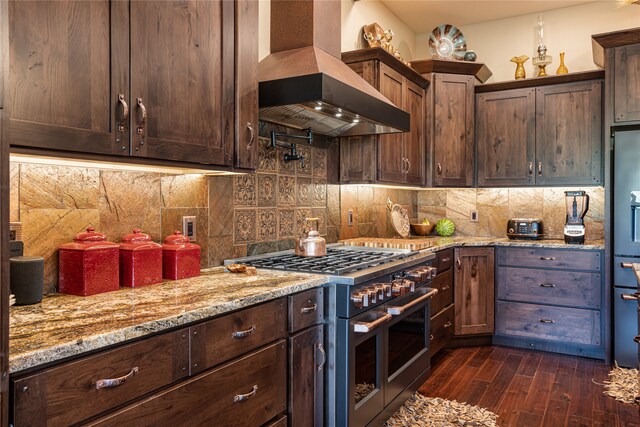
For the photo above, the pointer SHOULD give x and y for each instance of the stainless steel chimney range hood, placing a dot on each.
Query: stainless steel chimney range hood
(304, 84)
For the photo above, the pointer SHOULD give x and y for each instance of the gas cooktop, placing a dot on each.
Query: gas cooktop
(339, 260)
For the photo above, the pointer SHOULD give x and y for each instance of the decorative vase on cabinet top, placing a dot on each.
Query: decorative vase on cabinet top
(562, 69)
(520, 60)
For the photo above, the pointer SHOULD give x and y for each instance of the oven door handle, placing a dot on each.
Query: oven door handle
(364, 327)
(395, 310)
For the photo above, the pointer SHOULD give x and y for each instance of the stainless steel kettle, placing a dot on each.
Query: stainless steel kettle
(310, 243)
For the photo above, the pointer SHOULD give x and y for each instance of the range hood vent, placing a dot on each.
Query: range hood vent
(304, 84)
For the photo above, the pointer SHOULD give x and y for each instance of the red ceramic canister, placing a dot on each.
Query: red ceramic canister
(140, 260)
(180, 258)
(88, 265)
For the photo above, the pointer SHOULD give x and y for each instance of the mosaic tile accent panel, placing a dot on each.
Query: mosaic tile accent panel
(286, 223)
(58, 187)
(321, 214)
(129, 200)
(304, 195)
(14, 191)
(267, 190)
(266, 225)
(304, 168)
(301, 215)
(244, 190)
(285, 168)
(267, 161)
(184, 191)
(244, 226)
(319, 192)
(220, 206)
(286, 190)
(319, 163)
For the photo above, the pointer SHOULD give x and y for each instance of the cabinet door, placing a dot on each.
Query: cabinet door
(182, 75)
(246, 62)
(414, 141)
(569, 133)
(390, 164)
(358, 159)
(474, 289)
(506, 137)
(306, 378)
(453, 130)
(626, 86)
(69, 64)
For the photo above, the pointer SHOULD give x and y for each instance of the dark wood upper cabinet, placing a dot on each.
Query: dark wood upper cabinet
(569, 134)
(162, 81)
(397, 158)
(69, 64)
(505, 136)
(626, 87)
(452, 129)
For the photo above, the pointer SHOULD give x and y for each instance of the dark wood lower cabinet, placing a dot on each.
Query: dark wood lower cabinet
(306, 377)
(247, 392)
(474, 290)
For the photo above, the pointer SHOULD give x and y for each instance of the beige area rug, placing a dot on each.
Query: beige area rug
(421, 411)
(622, 384)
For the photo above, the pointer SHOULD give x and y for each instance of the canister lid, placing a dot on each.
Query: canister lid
(178, 242)
(90, 236)
(88, 240)
(138, 241)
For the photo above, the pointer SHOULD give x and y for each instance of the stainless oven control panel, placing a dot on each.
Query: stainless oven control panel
(398, 284)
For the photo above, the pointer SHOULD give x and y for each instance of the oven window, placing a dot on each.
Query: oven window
(407, 338)
(366, 369)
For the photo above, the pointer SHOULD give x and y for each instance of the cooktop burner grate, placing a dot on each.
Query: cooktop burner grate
(337, 261)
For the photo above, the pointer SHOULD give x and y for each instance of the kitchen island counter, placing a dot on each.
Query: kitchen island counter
(439, 243)
(62, 326)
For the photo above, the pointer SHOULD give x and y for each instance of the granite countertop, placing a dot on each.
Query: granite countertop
(439, 243)
(67, 325)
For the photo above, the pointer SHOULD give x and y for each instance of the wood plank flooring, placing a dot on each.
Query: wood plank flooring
(529, 388)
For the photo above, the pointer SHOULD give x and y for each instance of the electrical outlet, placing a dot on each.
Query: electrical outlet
(474, 216)
(189, 227)
(350, 218)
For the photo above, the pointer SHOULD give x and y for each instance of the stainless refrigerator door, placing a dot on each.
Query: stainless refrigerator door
(626, 327)
(626, 194)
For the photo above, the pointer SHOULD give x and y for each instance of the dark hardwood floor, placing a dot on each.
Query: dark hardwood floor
(529, 388)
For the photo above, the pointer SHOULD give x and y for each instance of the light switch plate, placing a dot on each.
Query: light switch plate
(189, 227)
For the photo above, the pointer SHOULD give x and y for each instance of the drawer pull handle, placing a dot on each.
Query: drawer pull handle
(114, 382)
(125, 112)
(251, 135)
(548, 258)
(431, 337)
(447, 259)
(446, 287)
(143, 119)
(626, 265)
(307, 310)
(364, 327)
(324, 356)
(547, 321)
(243, 334)
(637, 339)
(458, 264)
(398, 310)
(630, 297)
(241, 397)
(447, 325)
(530, 168)
(547, 285)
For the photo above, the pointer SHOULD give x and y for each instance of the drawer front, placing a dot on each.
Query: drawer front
(566, 325)
(550, 258)
(247, 392)
(280, 422)
(67, 394)
(441, 329)
(443, 282)
(558, 287)
(229, 336)
(306, 309)
(444, 259)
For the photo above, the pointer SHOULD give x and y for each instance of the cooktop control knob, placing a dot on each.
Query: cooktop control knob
(388, 290)
(360, 299)
(398, 289)
(373, 295)
(379, 288)
(416, 275)
(410, 285)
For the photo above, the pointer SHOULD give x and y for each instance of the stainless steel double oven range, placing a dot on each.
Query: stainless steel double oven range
(377, 310)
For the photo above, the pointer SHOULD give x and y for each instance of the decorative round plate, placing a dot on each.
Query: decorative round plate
(400, 220)
(447, 42)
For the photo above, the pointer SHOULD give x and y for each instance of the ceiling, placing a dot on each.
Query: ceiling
(422, 16)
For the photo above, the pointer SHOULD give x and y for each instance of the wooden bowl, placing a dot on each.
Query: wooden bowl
(422, 229)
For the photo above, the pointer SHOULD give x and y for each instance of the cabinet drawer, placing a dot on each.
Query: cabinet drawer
(246, 392)
(229, 336)
(444, 284)
(444, 259)
(558, 287)
(566, 325)
(306, 309)
(68, 394)
(550, 258)
(441, 329)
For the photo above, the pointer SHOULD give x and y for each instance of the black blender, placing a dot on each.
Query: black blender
(577, 206)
